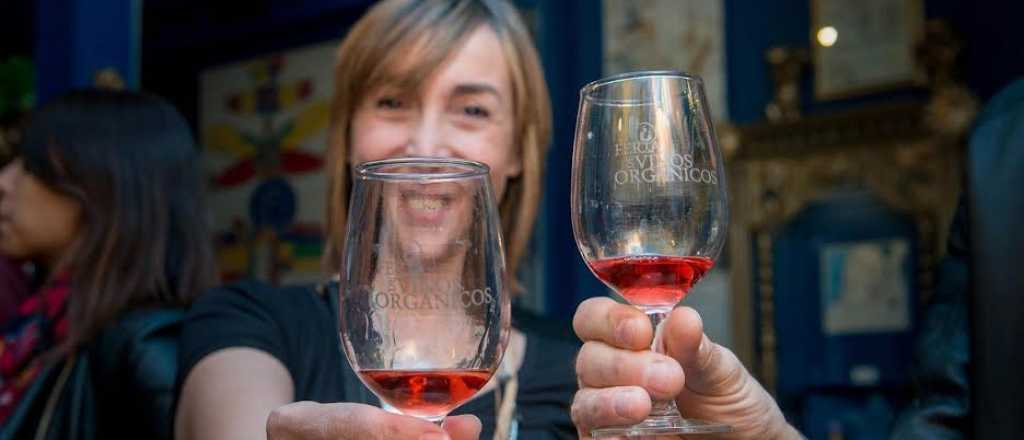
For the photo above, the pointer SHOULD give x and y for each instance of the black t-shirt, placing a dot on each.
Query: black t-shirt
(297, 326)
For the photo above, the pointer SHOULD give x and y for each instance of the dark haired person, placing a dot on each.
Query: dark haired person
(104, 196)
(13, 288)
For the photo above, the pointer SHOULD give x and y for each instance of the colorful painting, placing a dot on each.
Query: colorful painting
(865, 287)
(685, 35)
(263, 126)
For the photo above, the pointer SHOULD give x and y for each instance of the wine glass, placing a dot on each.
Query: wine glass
(649, 204)
(424, 316)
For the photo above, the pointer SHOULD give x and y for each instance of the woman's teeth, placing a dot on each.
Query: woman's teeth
(426, 204)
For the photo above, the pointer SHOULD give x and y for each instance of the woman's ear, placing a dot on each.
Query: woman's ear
(515, 167)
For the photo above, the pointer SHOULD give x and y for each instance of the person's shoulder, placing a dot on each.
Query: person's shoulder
(999, 129)
(277, 320)
(260, 290)
(134, 363)
(252, 295)
(142, 346)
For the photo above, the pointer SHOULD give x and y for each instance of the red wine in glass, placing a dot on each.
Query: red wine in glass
(426, 393)
(652, 280)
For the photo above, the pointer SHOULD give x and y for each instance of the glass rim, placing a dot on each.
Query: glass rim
(587, 91)
(372, 170)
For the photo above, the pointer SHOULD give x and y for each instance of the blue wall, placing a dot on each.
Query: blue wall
(569, 39)
(76, 38)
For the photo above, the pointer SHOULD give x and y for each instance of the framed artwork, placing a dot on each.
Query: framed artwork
(263, 127)
(684, 35)
(865, 287)
(865, 46)
(779, 170)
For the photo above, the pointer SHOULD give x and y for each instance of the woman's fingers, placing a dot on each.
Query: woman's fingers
(350, 421)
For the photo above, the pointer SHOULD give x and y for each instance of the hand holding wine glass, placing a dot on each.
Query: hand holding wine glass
(707, 381)
(650, 214)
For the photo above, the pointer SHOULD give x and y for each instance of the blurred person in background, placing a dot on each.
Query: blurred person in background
(967, 384)
(104, 198)
(13, 280)
(13, 288)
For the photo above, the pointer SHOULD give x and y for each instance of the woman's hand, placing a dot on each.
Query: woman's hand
(618, 374)
(353, 421)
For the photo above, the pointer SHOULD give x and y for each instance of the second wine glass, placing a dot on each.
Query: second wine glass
(649, 205)
(424, 318)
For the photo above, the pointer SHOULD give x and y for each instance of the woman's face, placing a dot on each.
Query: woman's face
(463, 110)
(36, 222)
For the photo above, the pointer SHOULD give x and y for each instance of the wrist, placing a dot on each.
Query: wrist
(785, 431)
(777, 426)
(762, 419)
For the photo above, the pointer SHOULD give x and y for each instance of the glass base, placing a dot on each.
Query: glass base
(662, 425)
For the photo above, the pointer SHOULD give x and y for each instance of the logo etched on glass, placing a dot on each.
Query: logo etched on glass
(410, 287)
(646, 132)
(639, 162)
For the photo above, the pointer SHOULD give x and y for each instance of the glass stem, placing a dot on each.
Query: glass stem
(657, 317)
(437, 420)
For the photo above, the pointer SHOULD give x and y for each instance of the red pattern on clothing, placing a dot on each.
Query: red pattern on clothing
(23, 341)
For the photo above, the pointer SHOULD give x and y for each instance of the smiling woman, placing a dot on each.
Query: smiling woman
(445, 78)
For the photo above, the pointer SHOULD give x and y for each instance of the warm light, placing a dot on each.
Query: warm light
(827, 36)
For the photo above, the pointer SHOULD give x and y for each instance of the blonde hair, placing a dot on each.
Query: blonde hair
(376, 53)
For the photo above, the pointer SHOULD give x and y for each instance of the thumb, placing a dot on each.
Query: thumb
(718, 387)
(710, 369)
(464, 427)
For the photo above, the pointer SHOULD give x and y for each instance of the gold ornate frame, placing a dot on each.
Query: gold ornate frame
(907, 153)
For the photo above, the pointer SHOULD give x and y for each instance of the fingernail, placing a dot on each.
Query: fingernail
(624, 402)
(626, 332)
(660, 375)
(435, 436)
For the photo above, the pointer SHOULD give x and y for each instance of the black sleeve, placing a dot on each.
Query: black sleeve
(135, 376)
(295, 325)
(940, 406)
(155, 396)
(243, 315)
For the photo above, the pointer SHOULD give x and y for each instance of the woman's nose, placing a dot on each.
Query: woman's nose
(428, 139)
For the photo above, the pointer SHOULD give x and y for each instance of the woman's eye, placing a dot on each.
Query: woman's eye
(476, 111)
(389, 103)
